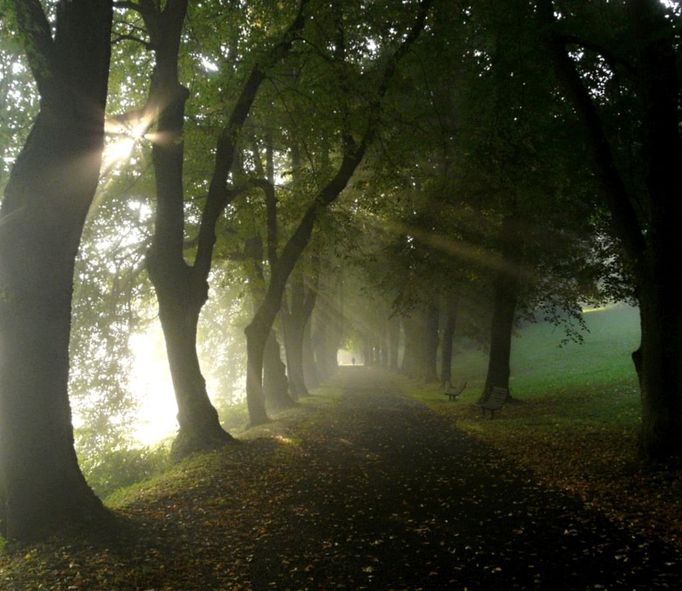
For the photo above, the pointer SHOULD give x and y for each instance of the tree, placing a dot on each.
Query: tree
(296, 312)
(639, 54)
(352, 153)
(182, 288)
(535, 207)
(47, 198)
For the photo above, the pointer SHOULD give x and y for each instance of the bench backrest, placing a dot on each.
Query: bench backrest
(455, 390)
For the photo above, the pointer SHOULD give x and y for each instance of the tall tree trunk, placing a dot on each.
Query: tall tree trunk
(414, 345)
(325, 342)
(660, 367)
(421, 344)
(505, 294)
(42, 216)
(505, 297)
(181, 290)
(275, 383)
(383, 345)
(165, 259)
(660, 371)
(295, 315)
(448, 338)
(430, 358)
(310, 371)
(367, 352)
(256, 338)
(294, 353)
(179, 307)
(393, 343)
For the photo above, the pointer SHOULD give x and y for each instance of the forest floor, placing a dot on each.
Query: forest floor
(361, 488)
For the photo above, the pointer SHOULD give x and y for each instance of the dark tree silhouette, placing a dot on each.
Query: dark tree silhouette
(644, 212)
(46, 202)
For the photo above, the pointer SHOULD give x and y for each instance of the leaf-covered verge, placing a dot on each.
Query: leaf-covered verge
(575, 421)
(146, 514)
(118, 468)
(366, 490)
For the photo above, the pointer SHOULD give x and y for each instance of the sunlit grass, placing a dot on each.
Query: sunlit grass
(234, 418)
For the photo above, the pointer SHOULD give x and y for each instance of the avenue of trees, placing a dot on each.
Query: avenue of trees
(275, 181)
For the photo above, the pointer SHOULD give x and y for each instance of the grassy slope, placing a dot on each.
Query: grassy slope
(152, 516)
(576, 425)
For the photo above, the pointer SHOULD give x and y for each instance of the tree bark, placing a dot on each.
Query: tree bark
(505, 298)
(310, 371)
(324, 337)
(180, 289)
(46, 202)
(295, 315)
(393, 343)
(448, 338)
(430, 358)
(275, 383)
(179, 308)
(368, 352)
(414, 345)
(294, 354)
(660, 371)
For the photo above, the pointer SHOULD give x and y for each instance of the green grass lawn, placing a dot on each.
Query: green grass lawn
(539, 361)
(576, 421)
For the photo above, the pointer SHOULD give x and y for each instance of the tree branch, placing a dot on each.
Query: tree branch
(128, 5)
(271, 213)
(613, 187)
(218, 195)
(351, 160)
(389, 71)
(127, 37)
(36, 37)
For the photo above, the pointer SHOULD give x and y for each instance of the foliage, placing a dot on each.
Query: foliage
(221, 337)
(18, 99)
(109, 305)
(108, 471)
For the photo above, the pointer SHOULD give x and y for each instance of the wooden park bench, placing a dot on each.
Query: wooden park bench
(493, 400)
(453, 392)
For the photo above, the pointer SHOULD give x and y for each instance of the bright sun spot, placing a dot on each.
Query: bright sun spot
(118, 151)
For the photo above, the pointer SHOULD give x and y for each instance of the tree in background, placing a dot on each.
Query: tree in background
(352, 153)
(182, 288)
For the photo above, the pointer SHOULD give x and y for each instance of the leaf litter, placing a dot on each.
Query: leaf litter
(374, 491)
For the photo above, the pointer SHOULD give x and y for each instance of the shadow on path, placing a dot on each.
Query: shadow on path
(370, 491)
(399, 499)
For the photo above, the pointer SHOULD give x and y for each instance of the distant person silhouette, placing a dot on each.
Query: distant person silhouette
(353, 360)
